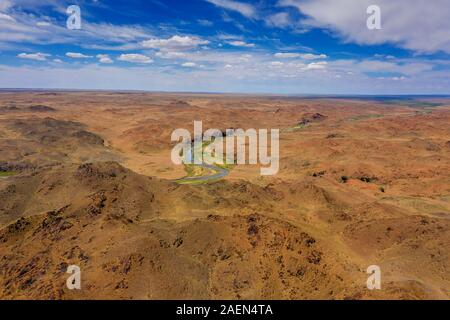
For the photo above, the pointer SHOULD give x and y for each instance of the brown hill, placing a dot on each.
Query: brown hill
(362, 183)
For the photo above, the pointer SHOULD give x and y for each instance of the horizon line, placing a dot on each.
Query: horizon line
(333, 95)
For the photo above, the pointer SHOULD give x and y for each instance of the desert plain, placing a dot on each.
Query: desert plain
(86, 179)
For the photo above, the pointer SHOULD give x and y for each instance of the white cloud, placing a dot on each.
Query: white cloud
(170, 55)
(104, 58)
(402, 21)
(239, 43)
(57, 60)
(245, 9)
(189, 65)
(287, 55)
(399, 67)
(43, 24)
(245, 57)
(411, 68)
(5, 5)
(310, 56)
(114, 47)
(18, 26)
(135, 58)
(116, 33)
(34, 56)
(292, 71)
(4, 16)
(256, 75)
(306, 56)
(279, 20)
(276, 63)
(316, 65)
(77, 55)
(174, 43)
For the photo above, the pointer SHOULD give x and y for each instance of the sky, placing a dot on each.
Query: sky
(271, 46)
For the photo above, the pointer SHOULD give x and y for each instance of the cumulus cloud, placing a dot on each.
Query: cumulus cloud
(77, 55)
(402, 22)
(43, 24)
(310, 56)
(306, 56)
(104, 58)
(286, 55)
(135, 58)
(316, 65)
(189, 65)
(175, 43)
(292, 71)
(239, 43)
(254, 75)
(170, 55)
(247, 10)
(34, 56)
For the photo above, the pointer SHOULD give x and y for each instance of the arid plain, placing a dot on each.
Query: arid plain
(86, 179)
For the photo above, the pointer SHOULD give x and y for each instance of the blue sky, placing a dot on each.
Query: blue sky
(273, 46)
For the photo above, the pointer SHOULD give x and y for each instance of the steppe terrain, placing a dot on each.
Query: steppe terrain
(86, 179)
